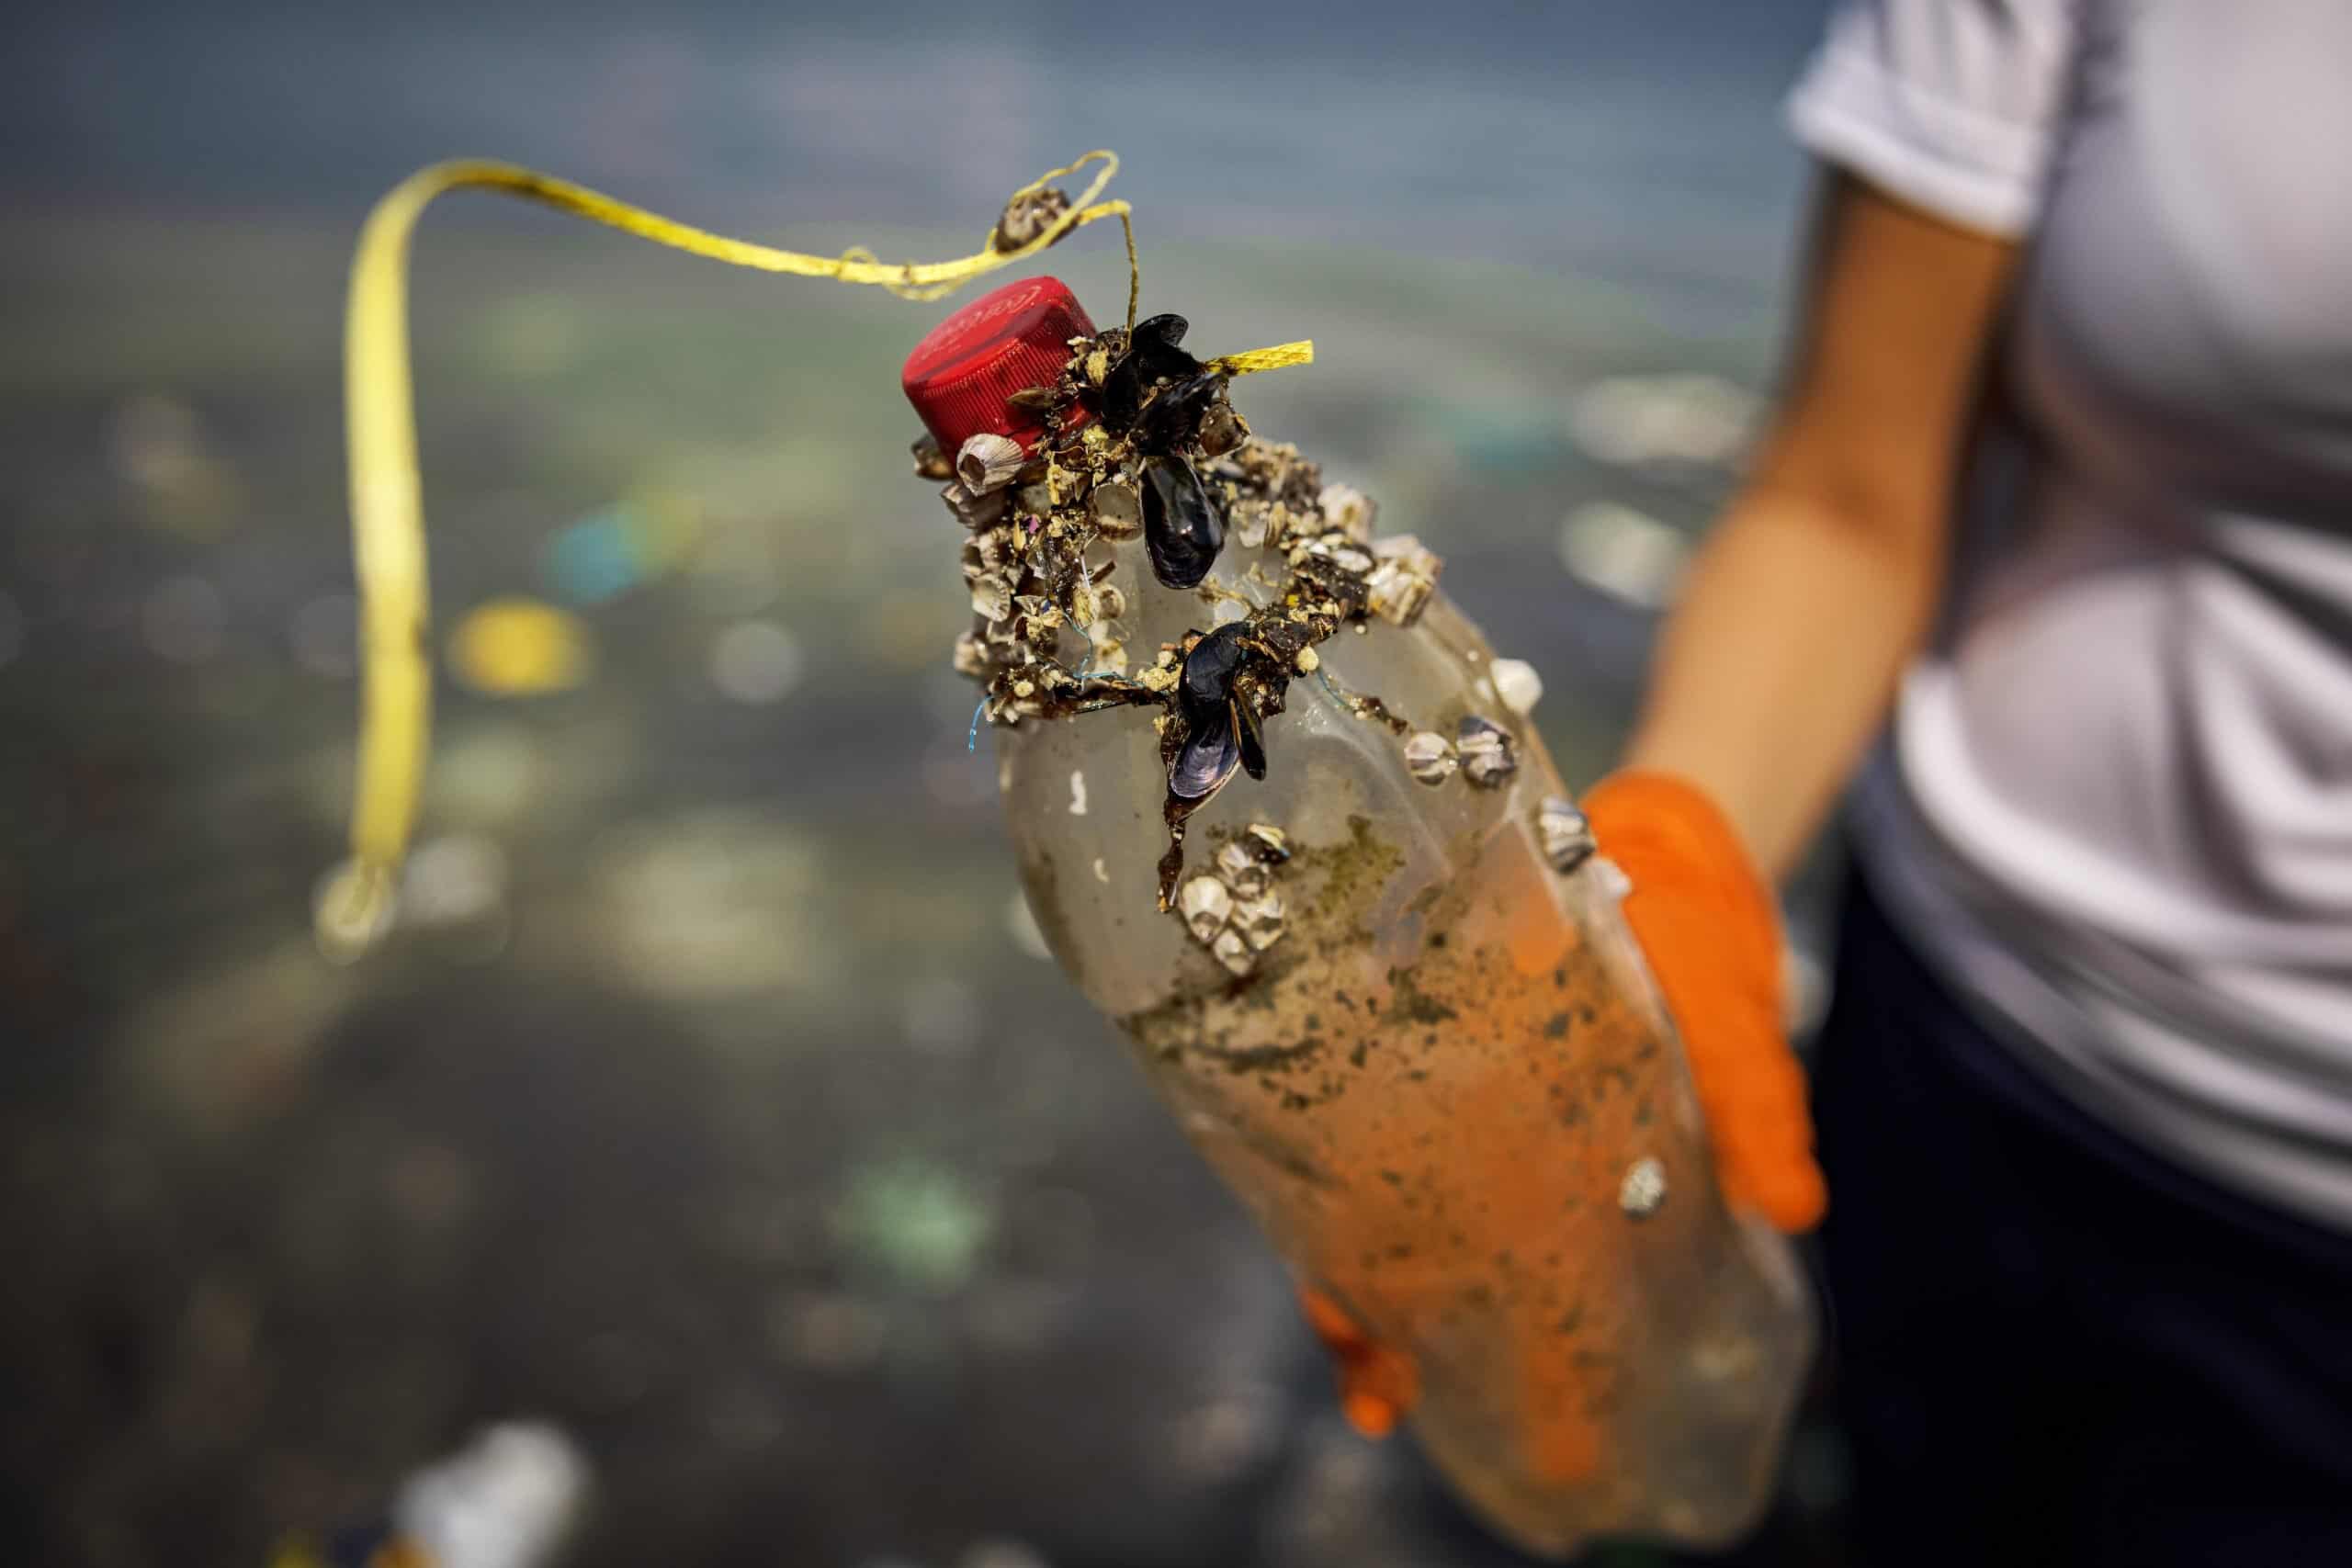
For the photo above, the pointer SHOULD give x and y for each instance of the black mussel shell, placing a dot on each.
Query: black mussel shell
(1206, 688)
(1208, 758)
(1172, 420)
(1122, 394)
(1167, 329)
(1253, 743)
(1182, 529)
(1152, 357)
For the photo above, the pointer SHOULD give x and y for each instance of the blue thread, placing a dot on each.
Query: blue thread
(972, 740)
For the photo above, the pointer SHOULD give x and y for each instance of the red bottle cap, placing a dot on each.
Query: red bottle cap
(961, 375)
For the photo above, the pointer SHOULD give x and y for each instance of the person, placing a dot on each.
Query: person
(2047, 553)
(2063, 475)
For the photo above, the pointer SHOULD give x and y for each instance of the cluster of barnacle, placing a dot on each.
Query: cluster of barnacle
(1234, 911)
(1139, 438)
(1484, 752)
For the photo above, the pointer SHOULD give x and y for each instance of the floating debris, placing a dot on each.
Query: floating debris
(1643, 1188)
(1428, 756)
(512, 648)
(1488, 758)
(1566, 836)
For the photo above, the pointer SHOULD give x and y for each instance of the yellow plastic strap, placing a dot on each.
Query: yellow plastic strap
(1279, 357)
(387, 516)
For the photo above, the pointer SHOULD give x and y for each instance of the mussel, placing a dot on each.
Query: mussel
(1205, 761)
(1152, 357)
(1171, 421)
(1222, 728)
(1182, 529)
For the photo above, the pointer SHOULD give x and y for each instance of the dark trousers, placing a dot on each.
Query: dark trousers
(2053, 1345)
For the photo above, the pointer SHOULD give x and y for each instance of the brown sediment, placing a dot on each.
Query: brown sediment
(1442, 1148)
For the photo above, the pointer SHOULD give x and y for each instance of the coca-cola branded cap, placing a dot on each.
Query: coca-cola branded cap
(962, 375)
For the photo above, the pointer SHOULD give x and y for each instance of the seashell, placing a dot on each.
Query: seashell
(1233, 951)
(1488, 758)
(1171, 421)
(1116, 509)
(1399, 586)
(991, 597)
(931, 463)
(973, 512)
(1221, 431)
(1350, 510)
(1565, 834)
(1243, 871)
(1271, 842)
(1026, 218)
(1206, 905)
(1252, 522)
(1518, 684)
(1182, 529)
(1430, 758)
(1260, 920)
(1209, 669)
(988, 461)
(1209, 756)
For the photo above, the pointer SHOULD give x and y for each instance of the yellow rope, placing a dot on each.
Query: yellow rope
(387, 516)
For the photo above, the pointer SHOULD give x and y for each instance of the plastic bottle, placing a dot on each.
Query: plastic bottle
(1393, 1003)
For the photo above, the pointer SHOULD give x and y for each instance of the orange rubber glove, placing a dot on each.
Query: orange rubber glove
(1706, 922)
(1708, 926)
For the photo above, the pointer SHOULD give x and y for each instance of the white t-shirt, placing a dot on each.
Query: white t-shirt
(2117, 799)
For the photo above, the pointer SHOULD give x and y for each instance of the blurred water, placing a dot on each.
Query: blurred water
(710, 1103)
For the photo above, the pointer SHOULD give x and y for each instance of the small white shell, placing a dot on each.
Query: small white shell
(1116, 509)
(1260, 920)
(1271, 842)
(1488, 758)
(1643, 1188)
(973, 512)
(991, 597)
(1242, 870)
(988, 461)
(1518, 684)
(1233, 951)
(1349, 510)
(1205, 903)
(1430, 758)
(1566, 836)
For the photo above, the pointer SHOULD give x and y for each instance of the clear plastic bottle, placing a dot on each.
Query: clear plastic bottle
(1411, 1029)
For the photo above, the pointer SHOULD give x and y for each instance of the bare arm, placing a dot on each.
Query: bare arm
(1779, 662)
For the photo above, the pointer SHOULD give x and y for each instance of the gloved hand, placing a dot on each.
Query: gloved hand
(1706, 923)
